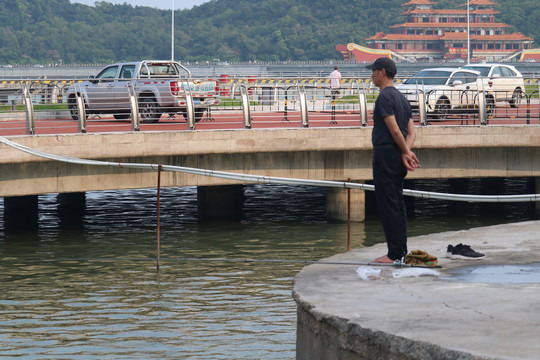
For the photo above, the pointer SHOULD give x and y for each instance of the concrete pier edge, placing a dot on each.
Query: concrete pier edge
(341, 316)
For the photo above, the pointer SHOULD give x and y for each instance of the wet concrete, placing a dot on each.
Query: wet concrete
(497, 274)
(476, 309)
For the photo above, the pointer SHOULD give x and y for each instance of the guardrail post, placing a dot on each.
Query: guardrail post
(81, 110)
(422, 111)
(30, 121)
(189, 107)
(363, 108)
(135, 116)
(482, 113)
(245, 108)
(303, 107)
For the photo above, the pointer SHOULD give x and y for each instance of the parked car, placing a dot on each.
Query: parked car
(159, 86)
(505, 80)
(447, 91)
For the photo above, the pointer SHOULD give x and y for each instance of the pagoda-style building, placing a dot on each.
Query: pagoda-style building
(433, 34)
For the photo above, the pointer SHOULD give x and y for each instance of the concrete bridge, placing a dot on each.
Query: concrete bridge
(313, 153)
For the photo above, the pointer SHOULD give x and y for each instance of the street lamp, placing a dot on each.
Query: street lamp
(172, 32)
(468, 34)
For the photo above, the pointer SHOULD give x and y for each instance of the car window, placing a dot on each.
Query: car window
(108, 73)
(497, 71)
(507, 72)
(162, 69)
(464, 77)
(484, 70)
(429, 77)
(127, 72)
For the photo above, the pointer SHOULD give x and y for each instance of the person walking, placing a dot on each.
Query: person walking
(335, 80)
(393, 137)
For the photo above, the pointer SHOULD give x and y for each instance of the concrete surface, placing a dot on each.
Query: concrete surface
(341, 316)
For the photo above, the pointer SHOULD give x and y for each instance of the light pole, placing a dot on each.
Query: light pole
(468, 34)
(172, 32)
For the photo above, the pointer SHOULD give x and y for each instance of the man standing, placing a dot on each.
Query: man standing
(335, 80)
(393, 137)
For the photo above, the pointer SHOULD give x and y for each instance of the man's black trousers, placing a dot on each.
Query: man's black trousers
(388, 176)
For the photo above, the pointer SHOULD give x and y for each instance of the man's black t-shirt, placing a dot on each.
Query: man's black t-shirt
(389, 102)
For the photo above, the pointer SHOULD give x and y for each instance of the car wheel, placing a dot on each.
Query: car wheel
(442, 108)
(73, 108)
(148, 110)
(490, 106)
(516, 98)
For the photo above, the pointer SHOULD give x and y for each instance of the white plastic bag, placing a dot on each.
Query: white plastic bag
(368, 273)
(414, 272)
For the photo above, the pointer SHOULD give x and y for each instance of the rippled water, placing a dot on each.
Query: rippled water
(92, 291)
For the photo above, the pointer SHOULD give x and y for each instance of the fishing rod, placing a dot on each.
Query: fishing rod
(396, 263)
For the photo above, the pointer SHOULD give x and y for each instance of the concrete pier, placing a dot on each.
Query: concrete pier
(341, 316)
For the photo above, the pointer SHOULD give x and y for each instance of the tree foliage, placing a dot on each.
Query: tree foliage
(231, 30)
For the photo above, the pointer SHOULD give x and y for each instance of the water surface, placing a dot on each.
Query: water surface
(91, 290)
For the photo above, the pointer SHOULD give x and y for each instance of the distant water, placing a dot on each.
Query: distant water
(90, 290)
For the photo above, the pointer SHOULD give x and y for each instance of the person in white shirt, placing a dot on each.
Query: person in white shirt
(335, 80)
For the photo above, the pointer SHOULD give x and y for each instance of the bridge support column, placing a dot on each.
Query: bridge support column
(21, 213)
(71, 208)
(337, 204)
(220, 202)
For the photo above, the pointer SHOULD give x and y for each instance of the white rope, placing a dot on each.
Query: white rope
(275, 180)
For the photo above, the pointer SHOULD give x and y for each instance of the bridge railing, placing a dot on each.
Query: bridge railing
(35, 106)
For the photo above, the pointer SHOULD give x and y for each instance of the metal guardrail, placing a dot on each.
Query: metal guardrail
(250, 101)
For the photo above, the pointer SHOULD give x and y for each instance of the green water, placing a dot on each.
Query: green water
(92, 291)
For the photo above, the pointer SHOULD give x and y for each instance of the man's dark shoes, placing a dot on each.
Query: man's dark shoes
(449, 250)
(461, 251)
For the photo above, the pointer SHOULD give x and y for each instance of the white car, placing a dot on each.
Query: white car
(447, 91)
(505, 80)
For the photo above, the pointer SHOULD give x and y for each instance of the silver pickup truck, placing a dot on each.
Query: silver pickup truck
(158, 86)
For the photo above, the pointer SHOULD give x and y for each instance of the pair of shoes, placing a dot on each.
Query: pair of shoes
(461, 251)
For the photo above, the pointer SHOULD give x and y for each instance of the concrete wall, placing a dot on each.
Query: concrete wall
(322, 154)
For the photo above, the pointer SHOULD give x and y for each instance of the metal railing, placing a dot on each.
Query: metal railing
(44, 107)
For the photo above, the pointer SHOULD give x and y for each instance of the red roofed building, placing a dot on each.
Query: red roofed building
(429, 33)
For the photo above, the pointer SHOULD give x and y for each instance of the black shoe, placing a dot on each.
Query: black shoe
(461, 251)
(449, 250)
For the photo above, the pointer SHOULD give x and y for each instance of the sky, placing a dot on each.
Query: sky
(161, 4)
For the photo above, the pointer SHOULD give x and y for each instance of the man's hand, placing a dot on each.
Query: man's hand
(410, 161)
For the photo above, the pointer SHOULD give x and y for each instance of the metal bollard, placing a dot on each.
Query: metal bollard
(482, 113)
(135, 116)
(422, 111)
(82, 111)
(190, 111)
(30, 121)
(363, 109)
(246, 109)
(303, 107)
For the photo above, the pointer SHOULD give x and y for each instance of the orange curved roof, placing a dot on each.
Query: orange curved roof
(403, 37)
(449, 25)
(463, 36)
(480, 2)
(449, 12)
(419, 2)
